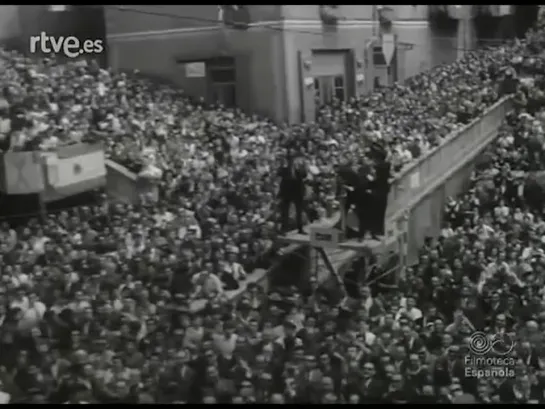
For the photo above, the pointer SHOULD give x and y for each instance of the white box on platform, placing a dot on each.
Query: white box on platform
(325, 237)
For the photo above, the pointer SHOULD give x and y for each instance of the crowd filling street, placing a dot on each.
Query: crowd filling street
(95, 300)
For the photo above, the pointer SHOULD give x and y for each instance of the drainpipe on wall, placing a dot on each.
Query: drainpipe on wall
(375, 24)
(284, 63)
(224, 42)
(465, 32)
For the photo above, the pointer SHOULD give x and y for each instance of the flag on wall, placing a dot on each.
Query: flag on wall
(74, 169)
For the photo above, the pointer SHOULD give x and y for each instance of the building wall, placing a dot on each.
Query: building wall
(125, 19)
(306, 36)
(258, 58)
(154, 41)
(144, 18)
(9, 22)
(36, 18)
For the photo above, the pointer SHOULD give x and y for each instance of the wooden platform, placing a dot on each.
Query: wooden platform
(294, 245)
(304, 239)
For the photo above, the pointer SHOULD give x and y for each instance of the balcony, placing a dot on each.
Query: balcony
(386, 16)
(236, 16)
(329, 14)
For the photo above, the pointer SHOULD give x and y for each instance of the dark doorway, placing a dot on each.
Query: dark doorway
(525, 17)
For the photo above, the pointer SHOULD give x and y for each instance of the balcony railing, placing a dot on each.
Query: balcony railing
(329, 14)
(417, 176)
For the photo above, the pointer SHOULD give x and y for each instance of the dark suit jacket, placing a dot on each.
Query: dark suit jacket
(372, 392)
(443, 372)
(508, 394)
(292, 184)
(531, 359)
(185, 381)
(411, 346)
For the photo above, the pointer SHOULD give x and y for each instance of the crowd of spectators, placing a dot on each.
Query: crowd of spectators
(210, 152)
(219, 164)
(94, 301)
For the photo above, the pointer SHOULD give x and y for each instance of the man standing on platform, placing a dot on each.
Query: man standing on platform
(347, 182)
(292, 190)
(364, 199)
(357, 184)
(380, 188)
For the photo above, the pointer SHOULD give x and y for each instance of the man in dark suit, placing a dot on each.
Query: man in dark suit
(380, 188)
(347, 182)
(364, 199)
(292, 190)
(371, 388)
(358, 194)
(182, 376)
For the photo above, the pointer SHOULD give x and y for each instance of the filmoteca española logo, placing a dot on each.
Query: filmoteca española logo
(490, 356)
(499, 344)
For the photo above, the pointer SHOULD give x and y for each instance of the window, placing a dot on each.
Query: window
(378, 57)
(222, 75)
(317, 92)
(224, 94)
(328, 87)
(338, 87)
(221, 62)
(222, 80)
(324, 89)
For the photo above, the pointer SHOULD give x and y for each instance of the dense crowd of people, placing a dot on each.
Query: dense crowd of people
(210, 152)
(95, 301)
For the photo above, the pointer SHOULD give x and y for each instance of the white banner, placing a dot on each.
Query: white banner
(80, 168)
(74, 164)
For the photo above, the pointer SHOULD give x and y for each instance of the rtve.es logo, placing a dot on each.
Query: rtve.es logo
(69, 46)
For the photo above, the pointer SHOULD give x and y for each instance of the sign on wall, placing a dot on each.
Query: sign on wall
(195, 70)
